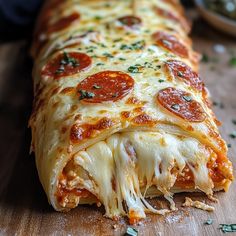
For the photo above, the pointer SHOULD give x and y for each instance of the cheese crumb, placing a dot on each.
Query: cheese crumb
(197, 204)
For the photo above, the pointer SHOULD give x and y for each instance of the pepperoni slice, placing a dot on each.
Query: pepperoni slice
(105, 86)
(43, 27)
(171, 43)
(181, 104)
(63, 22)
(182, 71)
(130, 21)
(169, 15)
(66, 64)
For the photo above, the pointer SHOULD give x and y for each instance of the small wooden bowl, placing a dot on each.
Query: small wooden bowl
(216, 20)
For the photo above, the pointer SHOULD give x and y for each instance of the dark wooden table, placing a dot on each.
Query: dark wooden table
(24, 209)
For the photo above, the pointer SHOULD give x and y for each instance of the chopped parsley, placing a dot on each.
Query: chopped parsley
(134, 46)
(122, 59)
(100, 64)
(161, 80)
(138, 45)
(150, 50)
(91, 47)
(232, 61)
(67, 60)
(95, 86)
(124, 47)
(131, 232)
(148, 64)
(117, 40)
(97, 17)
(208, 222)
(114, 95)
(106, 54)
(180, 74)
(187, 98)
(102, 45)
(90, 50)
(134, 69)
(205, 57)
(85, 94)
(60, 70)
(228, 228)
(233, 135)
(218, 104)
(175, 107)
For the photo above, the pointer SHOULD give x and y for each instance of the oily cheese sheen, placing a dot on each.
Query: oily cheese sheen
(120, 112)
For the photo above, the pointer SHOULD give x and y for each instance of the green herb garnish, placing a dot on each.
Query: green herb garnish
(117, 40)
(85, 94)
(95, 86)
(106, 54)
(97, 17)
(122, 59)
(138, 45)
(90, 50)
(180, 74)
(150, 50)
(228, 228)
(208, 222)
(175, 107)
(102, 45)
(134, 69)
(205, 57)
(187, 98)
(60, 70)
(67, 60)
(134, 46)
(131, 232)
(232, 61)
(161, 80)
(125, 47)
(219, 104)
(233, 135)
(100, 64)
(114, 95)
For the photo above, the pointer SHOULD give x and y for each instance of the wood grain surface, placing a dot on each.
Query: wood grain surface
(24, 209)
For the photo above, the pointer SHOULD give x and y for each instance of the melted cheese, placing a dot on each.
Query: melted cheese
(123, 163)
(109, 37)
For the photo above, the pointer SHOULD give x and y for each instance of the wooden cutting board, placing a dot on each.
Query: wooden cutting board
(24, 209)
